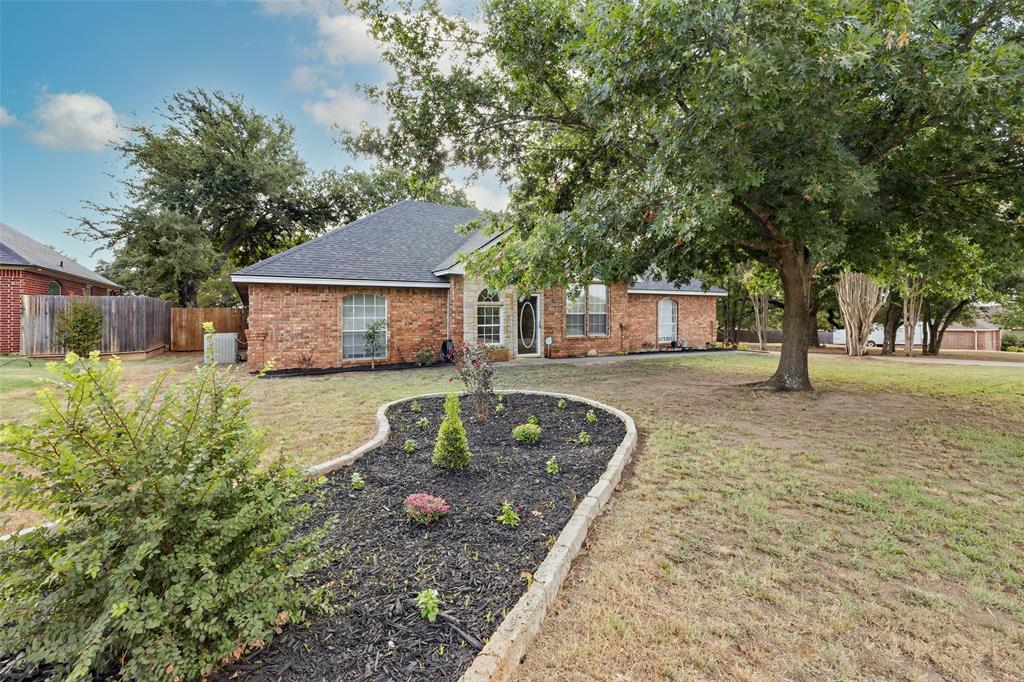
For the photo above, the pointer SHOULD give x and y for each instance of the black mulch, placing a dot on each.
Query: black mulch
(479, 566)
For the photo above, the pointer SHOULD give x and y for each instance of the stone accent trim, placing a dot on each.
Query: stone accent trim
(507, 646)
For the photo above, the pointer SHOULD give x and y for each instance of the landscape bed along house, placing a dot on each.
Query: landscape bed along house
(310, 306)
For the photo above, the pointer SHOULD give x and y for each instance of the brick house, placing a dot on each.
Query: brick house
(309, 306)
(28, 267)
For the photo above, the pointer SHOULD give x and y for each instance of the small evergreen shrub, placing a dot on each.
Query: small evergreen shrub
(429, 604)
(409, 446)
(415, 407)
(357, 481)
(527, 434)
(591, 417)
(425, 509)
(172, 548)
(424, 357)
(80, 326)
(451, 450)
(562, 404)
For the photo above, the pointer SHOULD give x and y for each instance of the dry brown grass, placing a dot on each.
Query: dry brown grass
(873, 530)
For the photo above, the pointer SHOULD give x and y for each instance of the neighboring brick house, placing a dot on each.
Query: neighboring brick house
(309, 306)
(28, 267)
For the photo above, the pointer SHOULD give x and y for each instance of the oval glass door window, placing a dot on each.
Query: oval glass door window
(527, 326)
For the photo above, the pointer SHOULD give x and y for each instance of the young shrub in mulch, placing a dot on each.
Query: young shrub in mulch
(474, 368)
(424, 357)
(425, 509)
(527, 434)
(171, 549)
(80, 326)
(451, 450)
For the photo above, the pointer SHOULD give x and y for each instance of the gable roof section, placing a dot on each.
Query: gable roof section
(651, 283)
(18, 249)
(403, 244)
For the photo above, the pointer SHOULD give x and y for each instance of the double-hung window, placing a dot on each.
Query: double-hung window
(488, 318)
(668, 312)
(586, 314)
(358, 312)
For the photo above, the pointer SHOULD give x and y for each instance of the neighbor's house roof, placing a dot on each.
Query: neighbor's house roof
(401, 245)
(19, 250)
(408, 244)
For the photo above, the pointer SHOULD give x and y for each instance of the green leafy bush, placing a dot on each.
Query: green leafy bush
(409, 446)
(508, 515)
(499, 408)
(422, 422)
(415, 407)
(424, 357)
(1013, 340)
(526, 433)
(584, 438)
(562, 404)
(171, 548)
(80, 326)
(591, 417)
(532, 419)
(357, 481)
(429, 604)
(552, 466)
(451, 450)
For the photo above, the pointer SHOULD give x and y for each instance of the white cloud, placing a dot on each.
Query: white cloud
(346, 38)
(343, 108)
(304, 78)
(7, 118)
(485, 197)
(76, 120)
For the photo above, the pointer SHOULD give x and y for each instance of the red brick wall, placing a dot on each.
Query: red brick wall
(632, 322)
(300, 325)
(15, 283)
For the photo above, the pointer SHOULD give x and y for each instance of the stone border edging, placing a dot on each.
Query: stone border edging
(506, 647)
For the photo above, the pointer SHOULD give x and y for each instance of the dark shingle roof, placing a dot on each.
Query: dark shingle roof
(652, 282)
(404, 242)
(17, 248)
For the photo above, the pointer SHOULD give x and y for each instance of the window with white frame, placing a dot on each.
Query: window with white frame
(489, 320)
(358, 312)
(668, 311)
(597, 310)
(586, 314)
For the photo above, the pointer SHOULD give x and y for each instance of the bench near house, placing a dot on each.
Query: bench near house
(309, 306)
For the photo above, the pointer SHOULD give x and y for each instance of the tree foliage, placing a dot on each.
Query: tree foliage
(691, 136)
(220, 182)
(169, 548)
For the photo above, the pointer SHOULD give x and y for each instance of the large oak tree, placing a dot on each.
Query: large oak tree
(691, 135)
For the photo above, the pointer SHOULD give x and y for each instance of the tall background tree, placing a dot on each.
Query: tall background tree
(217, 186)
(692, 135)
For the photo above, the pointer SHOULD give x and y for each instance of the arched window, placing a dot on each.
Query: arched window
(53, 289)
(489, 320)
(358, 312)
(668, 320)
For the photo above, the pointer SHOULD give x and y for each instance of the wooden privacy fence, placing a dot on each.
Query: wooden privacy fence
(131, 324)
(187, 325)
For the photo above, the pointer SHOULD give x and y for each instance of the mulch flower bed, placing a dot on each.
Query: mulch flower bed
(479, 567)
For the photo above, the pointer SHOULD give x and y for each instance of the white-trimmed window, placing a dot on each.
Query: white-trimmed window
(668, 320)
(358, 312)
(489, 320)
(53, 288)
(597, 310)
(586, 314)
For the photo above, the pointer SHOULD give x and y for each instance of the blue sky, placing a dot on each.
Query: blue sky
(72, 74)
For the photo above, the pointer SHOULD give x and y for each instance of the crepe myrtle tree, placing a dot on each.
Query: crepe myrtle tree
(692, 136)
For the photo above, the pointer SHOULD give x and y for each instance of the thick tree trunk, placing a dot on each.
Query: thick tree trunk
(796, 272)
(892, 323)
(935, 325)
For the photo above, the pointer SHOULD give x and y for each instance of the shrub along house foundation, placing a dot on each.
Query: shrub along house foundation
(310, 306)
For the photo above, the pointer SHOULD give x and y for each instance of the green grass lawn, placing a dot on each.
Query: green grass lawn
(873, 529)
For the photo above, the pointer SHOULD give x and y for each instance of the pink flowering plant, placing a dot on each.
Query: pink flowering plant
(423, 508)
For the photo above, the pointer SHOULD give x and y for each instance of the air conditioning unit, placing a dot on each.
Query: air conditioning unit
(224, 348)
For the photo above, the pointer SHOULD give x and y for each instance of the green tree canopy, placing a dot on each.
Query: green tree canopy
(692, 135)
(219, 182)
